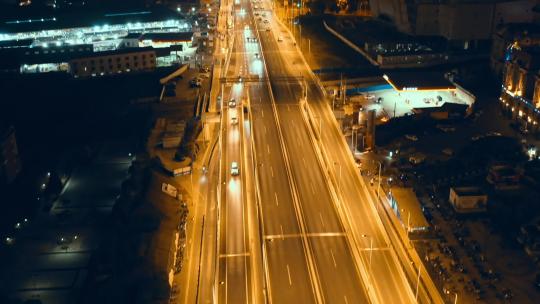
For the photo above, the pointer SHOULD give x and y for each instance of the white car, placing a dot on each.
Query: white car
(234, 169)
(232, 103)
(234, 120)
(279, 39)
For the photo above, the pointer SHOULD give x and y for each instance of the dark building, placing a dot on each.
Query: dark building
(10, 164)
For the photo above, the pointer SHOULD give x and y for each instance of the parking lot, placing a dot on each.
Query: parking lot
(51, 253)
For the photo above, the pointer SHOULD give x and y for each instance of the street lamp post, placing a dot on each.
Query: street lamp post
(379, 181)
(339, 176)
(370, 256)
(417, 282)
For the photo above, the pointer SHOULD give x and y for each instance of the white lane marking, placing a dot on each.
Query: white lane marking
(275, 196)
(333, 258)
(304, 161)
(264, 129)
(297, 235)
(322, 221)
(282, 234)
(268, 148)
(288, 108)
(271, 171)
(262, 112)
(289, 274)
(312, 188)
(346, 301)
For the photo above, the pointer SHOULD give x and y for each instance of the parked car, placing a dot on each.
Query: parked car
(411, 137)
(195, 82)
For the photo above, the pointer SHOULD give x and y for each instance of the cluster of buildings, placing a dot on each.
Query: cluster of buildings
(409, 34)
(465, 24)
(100, 43)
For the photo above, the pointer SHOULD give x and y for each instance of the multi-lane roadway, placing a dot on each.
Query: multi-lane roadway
(320, 241)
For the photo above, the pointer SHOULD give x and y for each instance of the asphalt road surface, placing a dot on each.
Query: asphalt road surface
(325, 257)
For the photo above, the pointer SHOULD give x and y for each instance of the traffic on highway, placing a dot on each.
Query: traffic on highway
(313, 234)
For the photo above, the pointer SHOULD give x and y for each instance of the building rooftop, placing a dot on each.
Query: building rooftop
(167, 37)
(409, 208)
(468, 191)
(14, 57)
(118, 52)
(16, 43)
(411, 81)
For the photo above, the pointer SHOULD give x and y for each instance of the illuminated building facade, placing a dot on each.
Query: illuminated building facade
(525, 34)
(115, 62)
(520, 96)
(48, 41)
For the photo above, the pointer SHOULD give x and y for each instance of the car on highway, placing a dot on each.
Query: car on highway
(279, 39)
(232, 103)
(234, 169)
(234, 120)
(257, 55)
